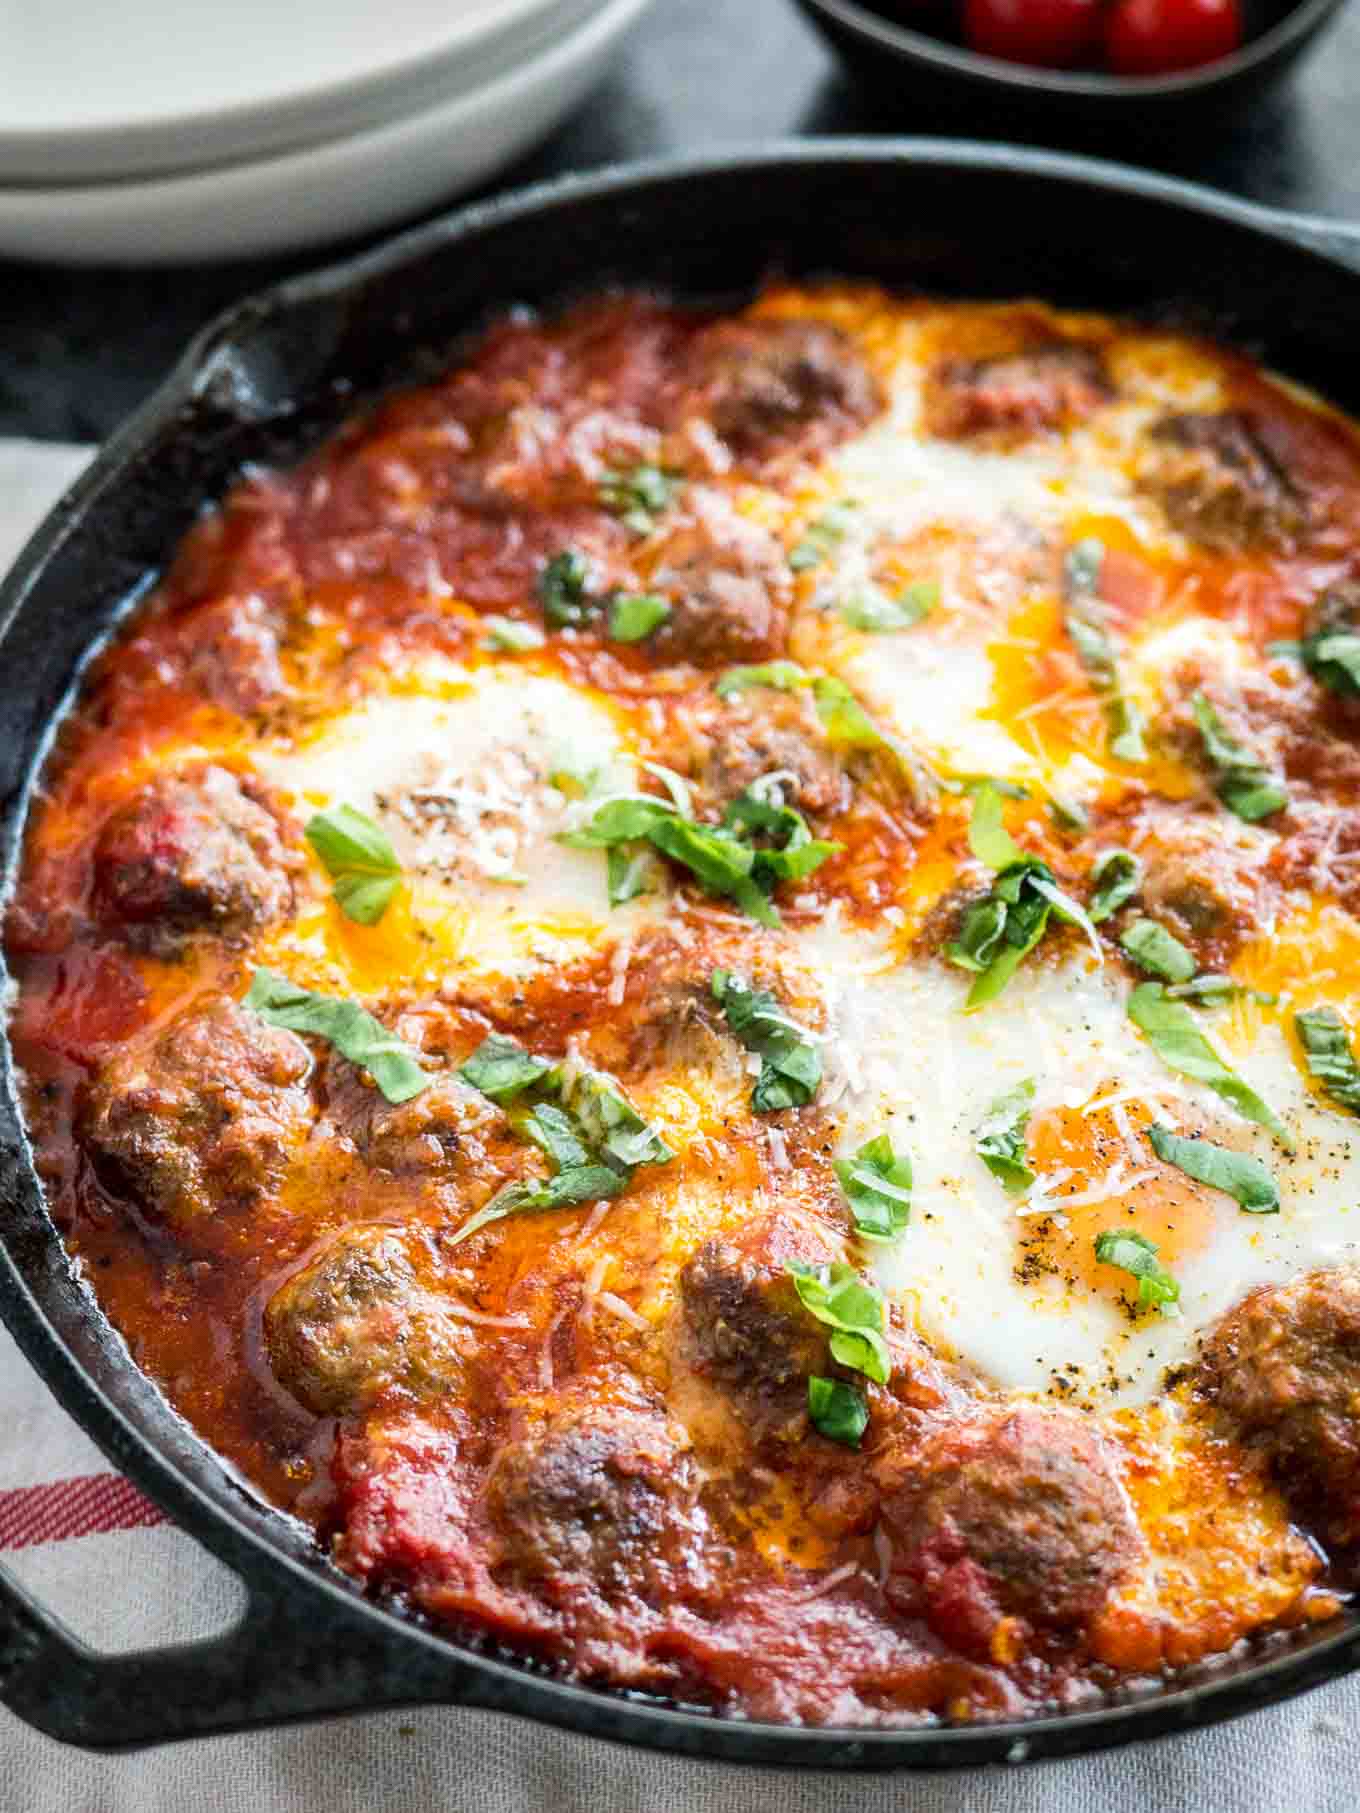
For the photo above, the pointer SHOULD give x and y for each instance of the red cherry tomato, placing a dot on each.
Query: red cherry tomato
(1055, 33)
(1150, 37)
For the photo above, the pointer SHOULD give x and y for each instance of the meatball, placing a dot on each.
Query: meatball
(1050, 387)
(446, 1127)
(727, 583)
(204, 1116)
(745, 1330)
(1015, 1513)
(601, 1498)
(355, 1322)
(729, 743)
(767, 384)
(234, 655)
(1284, 1367)
(1202, 875)
(191, 852)
(1220, 482)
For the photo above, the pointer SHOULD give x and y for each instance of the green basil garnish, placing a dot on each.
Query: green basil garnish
(791, 1066)
(878, 614)
(1211, 990)
(634, 615)
(1237, 1174)
(853, 1310)
(568, 1189)
(837, 1410)
(506, 635)
(1333, 657)
(877, 1186)
(358, 856)
(821, 538)
(845, 720)
(1179, 1041)
(353, 1031)
(998, 933)
(564, 589)
(632, 869)
(1137, 1255)
(639, 494)
(1156, 952)
(778, 676)
(1117, 876)
(1089, 634)
(1001, 1138)
(724, 859)
(1322, 1033)
(1241, 779)
(502, 1069)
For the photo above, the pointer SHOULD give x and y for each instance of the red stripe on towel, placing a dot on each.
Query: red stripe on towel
(67, 1508)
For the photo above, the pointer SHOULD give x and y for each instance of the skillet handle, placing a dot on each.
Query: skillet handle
(1337, 239)
(291, 1656)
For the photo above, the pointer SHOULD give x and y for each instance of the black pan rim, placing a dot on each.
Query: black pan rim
(263, 1563)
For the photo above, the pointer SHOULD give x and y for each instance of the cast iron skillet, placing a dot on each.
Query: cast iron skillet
(265, 383)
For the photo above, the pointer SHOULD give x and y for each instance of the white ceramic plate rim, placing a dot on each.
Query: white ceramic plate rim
(325, 192)
(466, 54)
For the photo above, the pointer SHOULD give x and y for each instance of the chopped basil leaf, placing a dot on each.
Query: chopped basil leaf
(1068, 814)
(676, 785)
(1210, 990)
(1334, 658)
(581, 1183)
(553, 1132)
(639, 495)
(632, 870)
(355, 1034)
(852, 1309)
(359, 858)
(1117, 877)
(778, 676)
(1179, 1041)
(1237, 1174)
(1089, 635)
(1156, 952)
(1001, 1138)
(611, 1124)
(821, 538)
(1136, 1254)
(634, 615)
(988, 838)
(998, 933)
(502, 1069)
(876, 613)
(1242, 780)
(505, 635)
(564, 589)
(791, 1066)
(847, 724)
(792, 854)
(1322, 1033)
(877, 1186)
(837, 1410)
(1285, 651)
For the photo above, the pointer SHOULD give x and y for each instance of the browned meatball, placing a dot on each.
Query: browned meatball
(727, 584)
(355, 1322)
(1203, 873)
(599, 1498)
(1221, 482)
(191, 852)
(1285, 1367)
(1018, 1512)
(744, 1329)
(205, 1115)
(765, 385)
(1050, 387)
(234, 655)
(726, 744)
(446, 1127)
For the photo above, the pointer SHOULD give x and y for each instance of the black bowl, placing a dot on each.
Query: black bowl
(911, 70)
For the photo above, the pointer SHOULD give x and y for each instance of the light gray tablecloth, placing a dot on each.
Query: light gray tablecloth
(126, 1587)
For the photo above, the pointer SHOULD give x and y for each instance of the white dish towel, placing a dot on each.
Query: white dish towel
(90, 1548)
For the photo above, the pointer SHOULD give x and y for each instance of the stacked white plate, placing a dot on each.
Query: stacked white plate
(155, 133)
